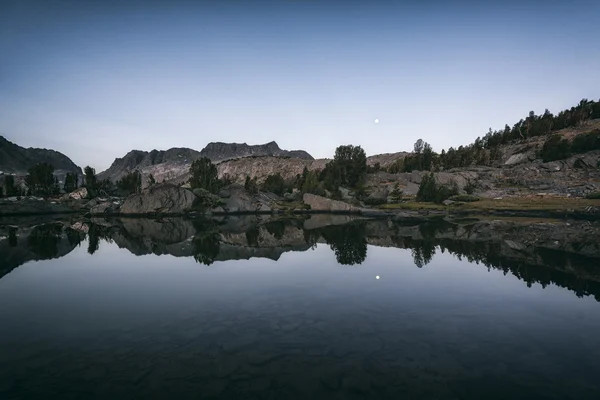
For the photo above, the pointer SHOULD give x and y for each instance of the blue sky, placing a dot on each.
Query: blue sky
(96, 79)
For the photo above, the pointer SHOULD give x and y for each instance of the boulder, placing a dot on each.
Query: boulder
(320, 203)
(79, 194)
(162, 199)
(517, 159)
(234, 198)
(103, 208)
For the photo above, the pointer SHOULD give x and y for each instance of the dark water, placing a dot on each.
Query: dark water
(183, 314)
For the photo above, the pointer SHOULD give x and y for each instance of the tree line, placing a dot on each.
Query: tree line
(486, 151)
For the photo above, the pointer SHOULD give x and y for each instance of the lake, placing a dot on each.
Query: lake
(253, 308)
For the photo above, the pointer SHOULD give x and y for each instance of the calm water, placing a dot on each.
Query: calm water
(238, 310)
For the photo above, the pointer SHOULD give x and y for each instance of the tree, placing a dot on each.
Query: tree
(250, 185)
(71, 182)
(9, 186)
(40, 179)
(90, 178)
(204, 175)
(349, 164)
(131, 183)
(427, 188)
(396, 194)
(310, 183)
(274, 184)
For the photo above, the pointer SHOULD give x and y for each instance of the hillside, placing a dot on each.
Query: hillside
(17, 160)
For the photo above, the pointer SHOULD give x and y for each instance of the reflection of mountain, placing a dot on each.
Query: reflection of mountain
(41, 242)
(562, 253)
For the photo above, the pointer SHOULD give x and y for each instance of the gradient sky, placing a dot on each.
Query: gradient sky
(96, 79)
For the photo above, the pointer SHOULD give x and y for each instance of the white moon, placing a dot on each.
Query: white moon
(377, 277)
(376, 120)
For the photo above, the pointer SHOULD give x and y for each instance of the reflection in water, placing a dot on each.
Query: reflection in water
(348, 242)
(206, 247)
(161, 327)
(273, 237)
(12, 236)
(44, 239)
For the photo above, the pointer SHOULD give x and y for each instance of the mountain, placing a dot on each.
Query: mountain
(169, 164)
(219, 151)
(17, 160)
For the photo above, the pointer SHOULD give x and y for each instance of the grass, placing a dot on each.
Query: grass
(508, 204)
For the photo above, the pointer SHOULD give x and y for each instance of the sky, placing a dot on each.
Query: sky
(96, 79)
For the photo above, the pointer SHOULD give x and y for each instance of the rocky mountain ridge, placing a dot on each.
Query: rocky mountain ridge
(15, 159)
(167, 165)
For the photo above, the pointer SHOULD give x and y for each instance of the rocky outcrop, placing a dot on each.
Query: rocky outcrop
(160, 199)
(17, 160)
(320, 203)
(236, 199)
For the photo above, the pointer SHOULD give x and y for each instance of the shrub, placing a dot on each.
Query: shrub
(555, 148)
(274, 184)
(250, 185)
(373, 201)
(470, 187)
(466, 198)
(593, 196)
(430, 190)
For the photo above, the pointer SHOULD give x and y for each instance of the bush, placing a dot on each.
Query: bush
(470, 187)
(250, 185)
(593, 196)
(586, 142)
(555, 148)
(274, 184)
(430, 190)
(466, 198)
(373, 201)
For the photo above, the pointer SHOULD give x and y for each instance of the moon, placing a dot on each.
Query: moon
(376, 120)
(377, 277)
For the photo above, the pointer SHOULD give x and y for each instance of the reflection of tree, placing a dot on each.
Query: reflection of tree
(348, 242)
(252, 236)
(422, 252)
(276, 228)
(73, 236)
(94, 239)
(206, 247)
(12, 236)
(44, 240)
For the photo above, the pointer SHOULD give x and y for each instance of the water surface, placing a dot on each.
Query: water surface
(281, 312)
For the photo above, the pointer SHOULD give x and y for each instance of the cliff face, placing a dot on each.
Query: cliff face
(17, 160)
(170, 165)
